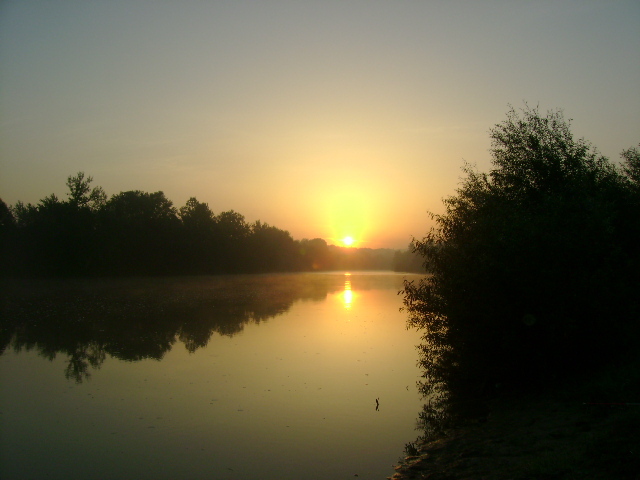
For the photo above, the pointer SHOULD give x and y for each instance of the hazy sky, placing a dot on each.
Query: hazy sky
(324, 118)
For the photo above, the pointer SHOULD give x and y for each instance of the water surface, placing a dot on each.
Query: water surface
(234, 377)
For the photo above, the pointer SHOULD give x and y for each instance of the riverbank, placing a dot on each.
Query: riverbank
(578, 431)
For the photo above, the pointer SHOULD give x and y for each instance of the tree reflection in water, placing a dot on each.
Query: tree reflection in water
(449, 392)
(135, 319)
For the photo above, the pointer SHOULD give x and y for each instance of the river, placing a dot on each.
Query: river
(264, 377)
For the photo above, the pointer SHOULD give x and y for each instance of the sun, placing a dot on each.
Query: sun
(348, 241)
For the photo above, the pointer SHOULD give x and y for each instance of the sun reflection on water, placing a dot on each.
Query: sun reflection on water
(347, 295)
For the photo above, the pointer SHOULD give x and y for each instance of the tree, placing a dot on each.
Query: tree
(197, 247)
(7, 220)
(197, 215)
(53, 238)
(315, 254)
(232, 226)
(82, 195)
(529, 260)
(7, 239)
(136, 206)
(230, 241)
(270, 249)
(631, 165)
(139, 233)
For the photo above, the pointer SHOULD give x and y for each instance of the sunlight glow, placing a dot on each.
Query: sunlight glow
(348, 213)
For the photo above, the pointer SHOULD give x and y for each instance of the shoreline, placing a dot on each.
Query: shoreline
(570, 432)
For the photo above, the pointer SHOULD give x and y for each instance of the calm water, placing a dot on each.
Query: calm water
(237, 377)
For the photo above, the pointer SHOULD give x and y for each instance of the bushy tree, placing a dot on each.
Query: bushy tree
(56, 237)
(197, 247)
(139, 232)
(196, 215)
(231, 232)
(631, 165)
(7, 237)
(270, 249)
(315, 254)
(530, 263)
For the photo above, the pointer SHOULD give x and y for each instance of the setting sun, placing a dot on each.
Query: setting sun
(348, 241)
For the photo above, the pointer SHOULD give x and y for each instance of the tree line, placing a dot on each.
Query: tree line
(535, 265)
(141, 233)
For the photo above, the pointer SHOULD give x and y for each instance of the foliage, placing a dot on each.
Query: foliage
(534, 265)
(81, 194)
(631, 165)
(137, 234)
(7, 229)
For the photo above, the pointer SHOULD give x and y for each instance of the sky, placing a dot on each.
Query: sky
(328, 118)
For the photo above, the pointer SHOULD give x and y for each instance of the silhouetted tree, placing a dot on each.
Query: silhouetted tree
(630, 229)
(57, 237)
(231, 234)
(530, 261)
(232, 225)
(53, 238)
(7, 221)
(315, 255)
(270, 249)
(139, 231)
(199, 236)
(196, 215)
(7, 239)
(631, 165)
(82, 195)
